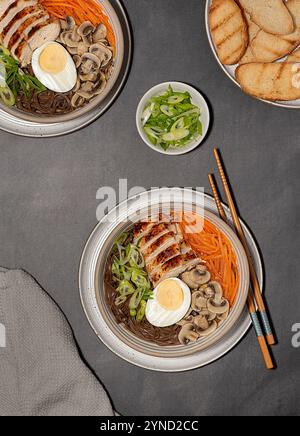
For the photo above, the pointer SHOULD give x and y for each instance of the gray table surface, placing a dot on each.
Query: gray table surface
(48, 208)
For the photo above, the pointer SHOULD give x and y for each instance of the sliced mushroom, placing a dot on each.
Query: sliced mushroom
(77, 101)
(211, 329)
(85, 29)
(77, 86)
(214, 290)
(77, 60)
(82, 48)
(187, 320)
(89, 63)
(188, 334)
(223, 317)
(209, 316)
(73, 51)
(219, 308)
(70, 23)
(63, 24)
(201, 322)
(70, 38)
(91, 77)
(100, 33)
(100, 86)
(86, 90)
(198, 302)
(196, 277)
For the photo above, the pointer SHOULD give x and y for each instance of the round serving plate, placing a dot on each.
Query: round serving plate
(89, 283)
(230, 70)
(11, 123)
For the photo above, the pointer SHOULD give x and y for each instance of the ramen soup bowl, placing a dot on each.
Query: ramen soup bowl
(92, 104)
(121, 219)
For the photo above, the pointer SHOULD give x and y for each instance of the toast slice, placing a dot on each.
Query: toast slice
(294, 57)
(229, 30)
(266, 47)
(270, 15)
(274, 82)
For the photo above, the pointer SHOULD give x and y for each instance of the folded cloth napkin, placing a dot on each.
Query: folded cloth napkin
(41, 373)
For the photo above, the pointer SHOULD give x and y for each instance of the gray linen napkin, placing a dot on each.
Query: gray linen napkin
(41, 373)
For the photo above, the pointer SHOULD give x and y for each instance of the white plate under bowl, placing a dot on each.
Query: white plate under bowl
(13, 124)
(230, 70)
(88, 286)
(197, 99)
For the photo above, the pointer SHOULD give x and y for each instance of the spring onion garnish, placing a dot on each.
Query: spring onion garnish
(13, 79)
(128, 270)
(171, 120)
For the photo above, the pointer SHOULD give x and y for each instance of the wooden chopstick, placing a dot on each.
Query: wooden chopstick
(251, 304)
(254, 280)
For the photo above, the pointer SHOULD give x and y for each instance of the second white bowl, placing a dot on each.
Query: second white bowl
(197, 99)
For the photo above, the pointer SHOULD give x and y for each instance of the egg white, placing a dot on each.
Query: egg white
(61, 82)
(158, 316)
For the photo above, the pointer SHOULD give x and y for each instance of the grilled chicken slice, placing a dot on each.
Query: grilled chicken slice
(160, 244)
(18, 25)
(14, 10)
(152, 234)
(175, 266)
(162, 258)
(39, 35)
(5, 5)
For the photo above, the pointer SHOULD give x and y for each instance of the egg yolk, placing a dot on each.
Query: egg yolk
(170, 295)
(53, 59)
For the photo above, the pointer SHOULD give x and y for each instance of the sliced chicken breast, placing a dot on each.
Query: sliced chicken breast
(162, 258)
(11, 12)
(24, 30)
(175, 266)
(160, 244)
(39, 35)
(5, 5)
(19, 23)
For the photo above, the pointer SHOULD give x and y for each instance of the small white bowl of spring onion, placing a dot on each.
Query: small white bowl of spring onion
(173, 118)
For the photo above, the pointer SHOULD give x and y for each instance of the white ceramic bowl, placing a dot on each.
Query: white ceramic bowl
(197, 99)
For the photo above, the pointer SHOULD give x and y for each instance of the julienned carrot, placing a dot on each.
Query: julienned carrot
(215, 249)
(80, 10)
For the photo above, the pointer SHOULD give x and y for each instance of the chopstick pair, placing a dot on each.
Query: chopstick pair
(264, 334)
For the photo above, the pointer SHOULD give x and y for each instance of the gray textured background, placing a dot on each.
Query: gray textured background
(48, 208)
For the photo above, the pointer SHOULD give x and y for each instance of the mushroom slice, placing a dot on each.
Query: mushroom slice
(70, 23)
(100, 33)
(103, 53)
(214, 290)
(209, 316)
(223, 317)
(86, 90)
(63, 24)
(211, 329)
(85, 29)
(188, 334)
(196, 277)
(198, 302)
(77, 60)
(89, 63)
(82, 48)
(91, 77)
(187, 320)
(100, 86)
(77, 101)
(218, 308)
(70, 38)
(201, 322)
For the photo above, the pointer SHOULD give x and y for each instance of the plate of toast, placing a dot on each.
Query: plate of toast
(257, 44)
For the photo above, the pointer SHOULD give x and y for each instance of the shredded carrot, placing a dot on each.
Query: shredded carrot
(80, 10)
(215, 249)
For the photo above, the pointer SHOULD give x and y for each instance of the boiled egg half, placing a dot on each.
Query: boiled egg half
(171, 302)
(54, 67)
